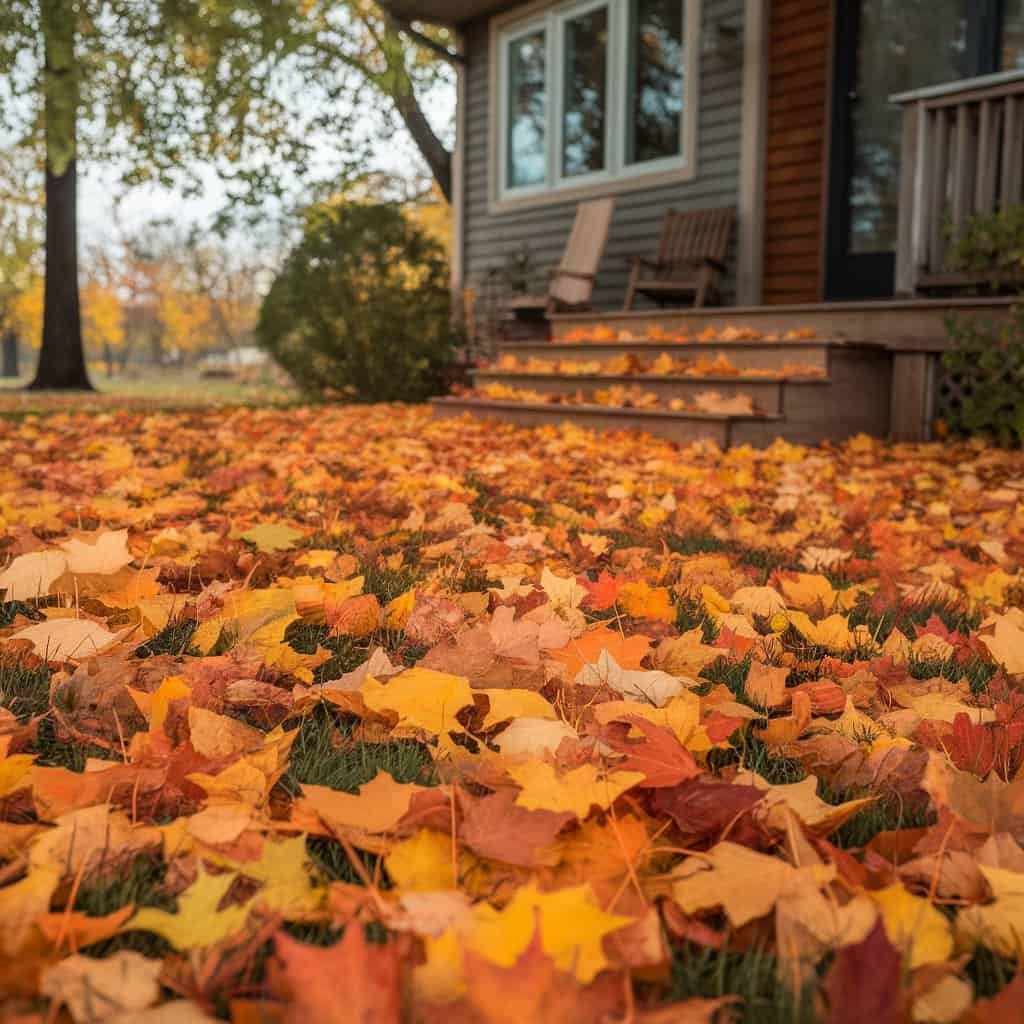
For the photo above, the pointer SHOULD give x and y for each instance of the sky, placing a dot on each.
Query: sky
(103, 205)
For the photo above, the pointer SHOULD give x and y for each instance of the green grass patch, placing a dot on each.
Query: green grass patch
(24, 691)
(321, 756)
(175, 638)
(703, 973)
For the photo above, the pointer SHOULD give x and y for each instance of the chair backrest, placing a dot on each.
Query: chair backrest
(688, 238)
(583, 251)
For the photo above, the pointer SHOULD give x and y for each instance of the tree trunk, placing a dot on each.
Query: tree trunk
(62, 357)
(438, 159)
(10, 355)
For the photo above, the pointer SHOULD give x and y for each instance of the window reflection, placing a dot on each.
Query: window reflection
(585, 93)
(1012, 58)
(655, 101)
(527, 114)
(904, 44)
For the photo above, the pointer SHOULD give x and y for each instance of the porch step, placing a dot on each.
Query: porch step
(900, 324)
(767, 394)
(744, 355)
(682, 427)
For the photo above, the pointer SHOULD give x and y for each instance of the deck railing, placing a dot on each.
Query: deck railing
(962, 153)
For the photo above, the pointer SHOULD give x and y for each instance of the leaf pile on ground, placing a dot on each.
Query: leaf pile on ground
(664, 365)
(351, 715)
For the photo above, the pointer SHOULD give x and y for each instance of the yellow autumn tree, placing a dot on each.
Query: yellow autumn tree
(27, 312)
(184, 316)
(102, 322)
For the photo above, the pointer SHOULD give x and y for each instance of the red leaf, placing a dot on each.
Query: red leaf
(660, 756)
(863, 984)
(602, 594)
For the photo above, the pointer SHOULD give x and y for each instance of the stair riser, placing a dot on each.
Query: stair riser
(680, 430)
(766, 395)
(749, 356)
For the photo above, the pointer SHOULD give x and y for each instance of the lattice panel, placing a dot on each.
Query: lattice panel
(955, 387)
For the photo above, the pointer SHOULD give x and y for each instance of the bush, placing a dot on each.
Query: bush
(361, 308)
(987, 358)
(987, 361)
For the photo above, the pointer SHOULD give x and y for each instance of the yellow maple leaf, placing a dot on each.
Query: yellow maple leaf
(643, 601)
(577, 790)
(270, 537)
(913, 925)
(198, 922)
(514, 703)
(572, 927)
(424, 701)
(423, 863)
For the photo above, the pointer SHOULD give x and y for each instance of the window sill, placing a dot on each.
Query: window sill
(627, 183)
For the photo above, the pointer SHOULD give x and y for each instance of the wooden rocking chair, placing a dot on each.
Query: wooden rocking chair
(690, 260)
(571, 283)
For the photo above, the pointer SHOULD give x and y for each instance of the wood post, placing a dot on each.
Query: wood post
(913, 395)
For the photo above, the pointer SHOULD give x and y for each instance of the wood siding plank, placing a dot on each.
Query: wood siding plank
(799, 40)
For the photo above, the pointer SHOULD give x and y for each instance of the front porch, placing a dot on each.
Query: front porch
(805, 373)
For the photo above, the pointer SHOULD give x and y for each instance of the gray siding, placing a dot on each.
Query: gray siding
(489, 238)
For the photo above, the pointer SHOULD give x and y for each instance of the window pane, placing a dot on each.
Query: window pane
(655, 99)
(902, 46)
(585, 96)
(1013, 36)
(528, 110)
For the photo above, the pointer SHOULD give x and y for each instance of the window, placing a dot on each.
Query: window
(527, 110)
(595, 91)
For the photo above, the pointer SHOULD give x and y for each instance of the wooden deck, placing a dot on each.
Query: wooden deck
(871, 367)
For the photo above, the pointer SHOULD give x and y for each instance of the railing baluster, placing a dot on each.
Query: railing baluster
(1011, 187)
(940, 186)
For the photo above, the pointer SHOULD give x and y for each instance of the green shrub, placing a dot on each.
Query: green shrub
(992, 244)
(987, 361)
(361, 308)
(987, 358)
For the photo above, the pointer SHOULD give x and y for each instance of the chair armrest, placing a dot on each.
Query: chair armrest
(559, 272)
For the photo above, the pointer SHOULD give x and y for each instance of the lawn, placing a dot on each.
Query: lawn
(344, 714)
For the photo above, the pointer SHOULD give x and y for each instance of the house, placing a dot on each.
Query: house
(846, 133)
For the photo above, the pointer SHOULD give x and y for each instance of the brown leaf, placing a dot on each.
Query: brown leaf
(495, 827)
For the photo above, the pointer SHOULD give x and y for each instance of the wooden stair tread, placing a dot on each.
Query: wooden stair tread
(605, 410)
(654, 378)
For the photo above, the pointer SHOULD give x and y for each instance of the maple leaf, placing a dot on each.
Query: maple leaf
(863, 983)
(495, 827)
(103, 553)
(602, 594)
(642, 601)
(378, 806)
(534, 736)
(69, 639)
(658, 688)
(351, 982)
(571, 926)
(91, 989)
(913, 925)
(628, 652)
(661, 758)
(271, 537)
(424, 701)
(31, 576)
(576, 791)
(199, 920)
(535, 988)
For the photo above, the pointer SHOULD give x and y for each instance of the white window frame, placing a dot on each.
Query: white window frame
(617, 176)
